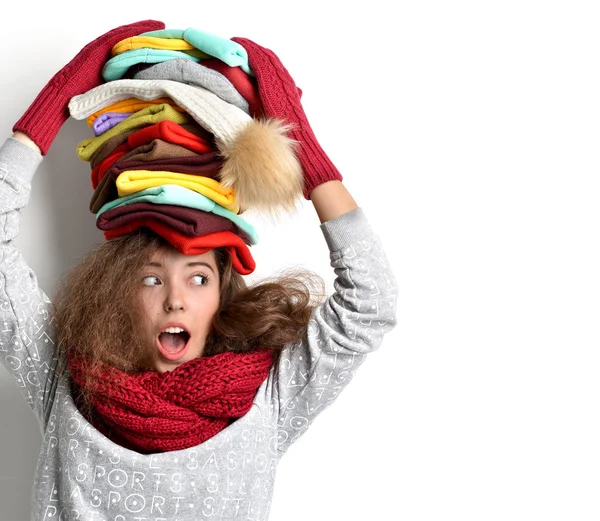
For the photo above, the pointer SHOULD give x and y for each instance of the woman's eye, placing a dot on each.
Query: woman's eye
(199, 280)
(150, 280)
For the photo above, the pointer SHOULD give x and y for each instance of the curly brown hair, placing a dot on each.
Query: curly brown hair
(96, 315)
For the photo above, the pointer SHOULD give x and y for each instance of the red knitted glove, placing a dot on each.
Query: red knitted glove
(281, 99)
(46, 115)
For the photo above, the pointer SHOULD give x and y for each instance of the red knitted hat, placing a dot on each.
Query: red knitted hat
(173, 133)
(241, 258)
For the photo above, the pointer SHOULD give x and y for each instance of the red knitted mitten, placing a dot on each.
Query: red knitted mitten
(46, 115)
(281, 99)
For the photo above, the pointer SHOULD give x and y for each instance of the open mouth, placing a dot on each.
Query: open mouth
(173, 345)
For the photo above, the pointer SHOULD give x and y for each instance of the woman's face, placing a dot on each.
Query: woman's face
(179, 297)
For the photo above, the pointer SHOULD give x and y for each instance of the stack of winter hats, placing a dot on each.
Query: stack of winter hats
(180, 145)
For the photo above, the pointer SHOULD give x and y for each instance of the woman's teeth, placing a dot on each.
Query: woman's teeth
(173, 330)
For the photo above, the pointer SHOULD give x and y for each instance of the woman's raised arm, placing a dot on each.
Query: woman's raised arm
(331, 200)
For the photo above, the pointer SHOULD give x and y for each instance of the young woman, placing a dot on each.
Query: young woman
(164, 387)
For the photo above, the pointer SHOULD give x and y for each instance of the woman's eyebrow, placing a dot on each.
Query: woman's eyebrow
(200, 263)
(156, 264)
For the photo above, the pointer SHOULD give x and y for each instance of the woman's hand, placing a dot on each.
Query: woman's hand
(46, 115)
(280, 98)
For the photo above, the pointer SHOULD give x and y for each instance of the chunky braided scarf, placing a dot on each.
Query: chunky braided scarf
(158, 412)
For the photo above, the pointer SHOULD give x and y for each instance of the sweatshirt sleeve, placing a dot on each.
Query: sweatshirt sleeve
(26, 336)
(347, 326)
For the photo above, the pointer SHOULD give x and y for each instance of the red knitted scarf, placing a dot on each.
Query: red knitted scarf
(158, 412)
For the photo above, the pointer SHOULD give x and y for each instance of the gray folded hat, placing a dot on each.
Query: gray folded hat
(192, 73)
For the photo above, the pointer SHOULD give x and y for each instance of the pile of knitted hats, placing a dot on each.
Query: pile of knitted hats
(183, 145)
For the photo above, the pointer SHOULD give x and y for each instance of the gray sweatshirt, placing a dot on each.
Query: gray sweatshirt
(82, 475)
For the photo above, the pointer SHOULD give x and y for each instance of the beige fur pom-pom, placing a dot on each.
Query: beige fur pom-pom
(261, 165)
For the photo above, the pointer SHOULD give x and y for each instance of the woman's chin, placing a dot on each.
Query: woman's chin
(161, 367)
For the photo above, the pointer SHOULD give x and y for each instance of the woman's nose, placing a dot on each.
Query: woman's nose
(174, 301)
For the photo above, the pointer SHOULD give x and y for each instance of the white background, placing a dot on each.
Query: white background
(469, 133)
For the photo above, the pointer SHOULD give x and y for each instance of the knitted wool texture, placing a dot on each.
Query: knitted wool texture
(280, 99)
(48, 112)
(158, 412)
